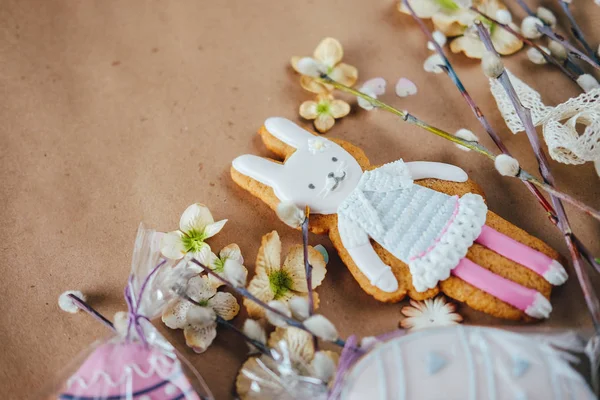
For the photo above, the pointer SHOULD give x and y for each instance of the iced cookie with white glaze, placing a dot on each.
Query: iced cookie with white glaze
(404, 228)
(463, 363)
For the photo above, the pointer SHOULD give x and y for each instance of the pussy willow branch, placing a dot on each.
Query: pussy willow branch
(491, 132)
(83, 305)
(525, 115)
(548, 57)
(307, 267)
(574, 51)
(475, 146)
(242, 291)
(576, 30)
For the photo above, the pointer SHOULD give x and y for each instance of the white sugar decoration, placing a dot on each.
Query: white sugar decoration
(318, 145)
(405, 87)
(66, 303)
(506, 165)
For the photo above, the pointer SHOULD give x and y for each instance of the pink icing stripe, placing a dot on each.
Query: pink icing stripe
(513, 250)
(437, 240)
(499, 287)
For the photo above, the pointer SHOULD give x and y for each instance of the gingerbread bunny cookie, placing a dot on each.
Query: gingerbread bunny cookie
(405, 228)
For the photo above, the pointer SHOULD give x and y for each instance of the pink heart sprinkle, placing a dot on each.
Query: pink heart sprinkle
(405, 87)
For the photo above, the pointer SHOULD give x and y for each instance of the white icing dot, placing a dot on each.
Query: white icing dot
(170, 389)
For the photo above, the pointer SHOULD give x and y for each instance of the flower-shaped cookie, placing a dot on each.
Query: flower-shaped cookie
(429, 314)
(274, 281)
(324, 111)
(199, 336)
(195, 226)
(327, 56)
(259, 377)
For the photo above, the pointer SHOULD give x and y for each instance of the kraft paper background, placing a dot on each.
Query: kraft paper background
(117, 112)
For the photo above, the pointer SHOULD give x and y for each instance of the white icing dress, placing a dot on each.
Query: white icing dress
(428, 230)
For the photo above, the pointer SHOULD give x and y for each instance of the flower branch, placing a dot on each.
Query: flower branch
(525, 116)
(473, 145)
(574, 51)
(548, 57)
(576, 30)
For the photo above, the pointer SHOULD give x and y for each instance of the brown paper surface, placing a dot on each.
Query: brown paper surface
(116, 112)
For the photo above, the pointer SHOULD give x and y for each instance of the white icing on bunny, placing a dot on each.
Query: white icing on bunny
(322, 175)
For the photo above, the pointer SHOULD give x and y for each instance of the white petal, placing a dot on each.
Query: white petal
(232, 251)
(171, 245)
(405, 87)
(225, 305)
(175, 315)
(329, 52)
(200, 337)
(196, 217)
(374, 87)
(200, 289)
(432, 64)
(212, 229)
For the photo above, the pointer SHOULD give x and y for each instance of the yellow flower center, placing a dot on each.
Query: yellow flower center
(323, 108)
(280, 283)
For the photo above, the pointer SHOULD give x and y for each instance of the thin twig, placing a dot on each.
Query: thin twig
(83, 305)
(307, 267)
(574, 51)
(548, 57)
(479, 148)
(526, 8)
(577, 32)
(447, 67)
(525, 116)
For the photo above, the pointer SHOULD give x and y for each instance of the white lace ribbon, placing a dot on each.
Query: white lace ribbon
(566, 143)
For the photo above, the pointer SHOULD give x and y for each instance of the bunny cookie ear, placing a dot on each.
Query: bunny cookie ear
(258, 168)
(288, 132)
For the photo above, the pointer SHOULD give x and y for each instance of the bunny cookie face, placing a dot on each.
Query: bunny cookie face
(320, 173)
